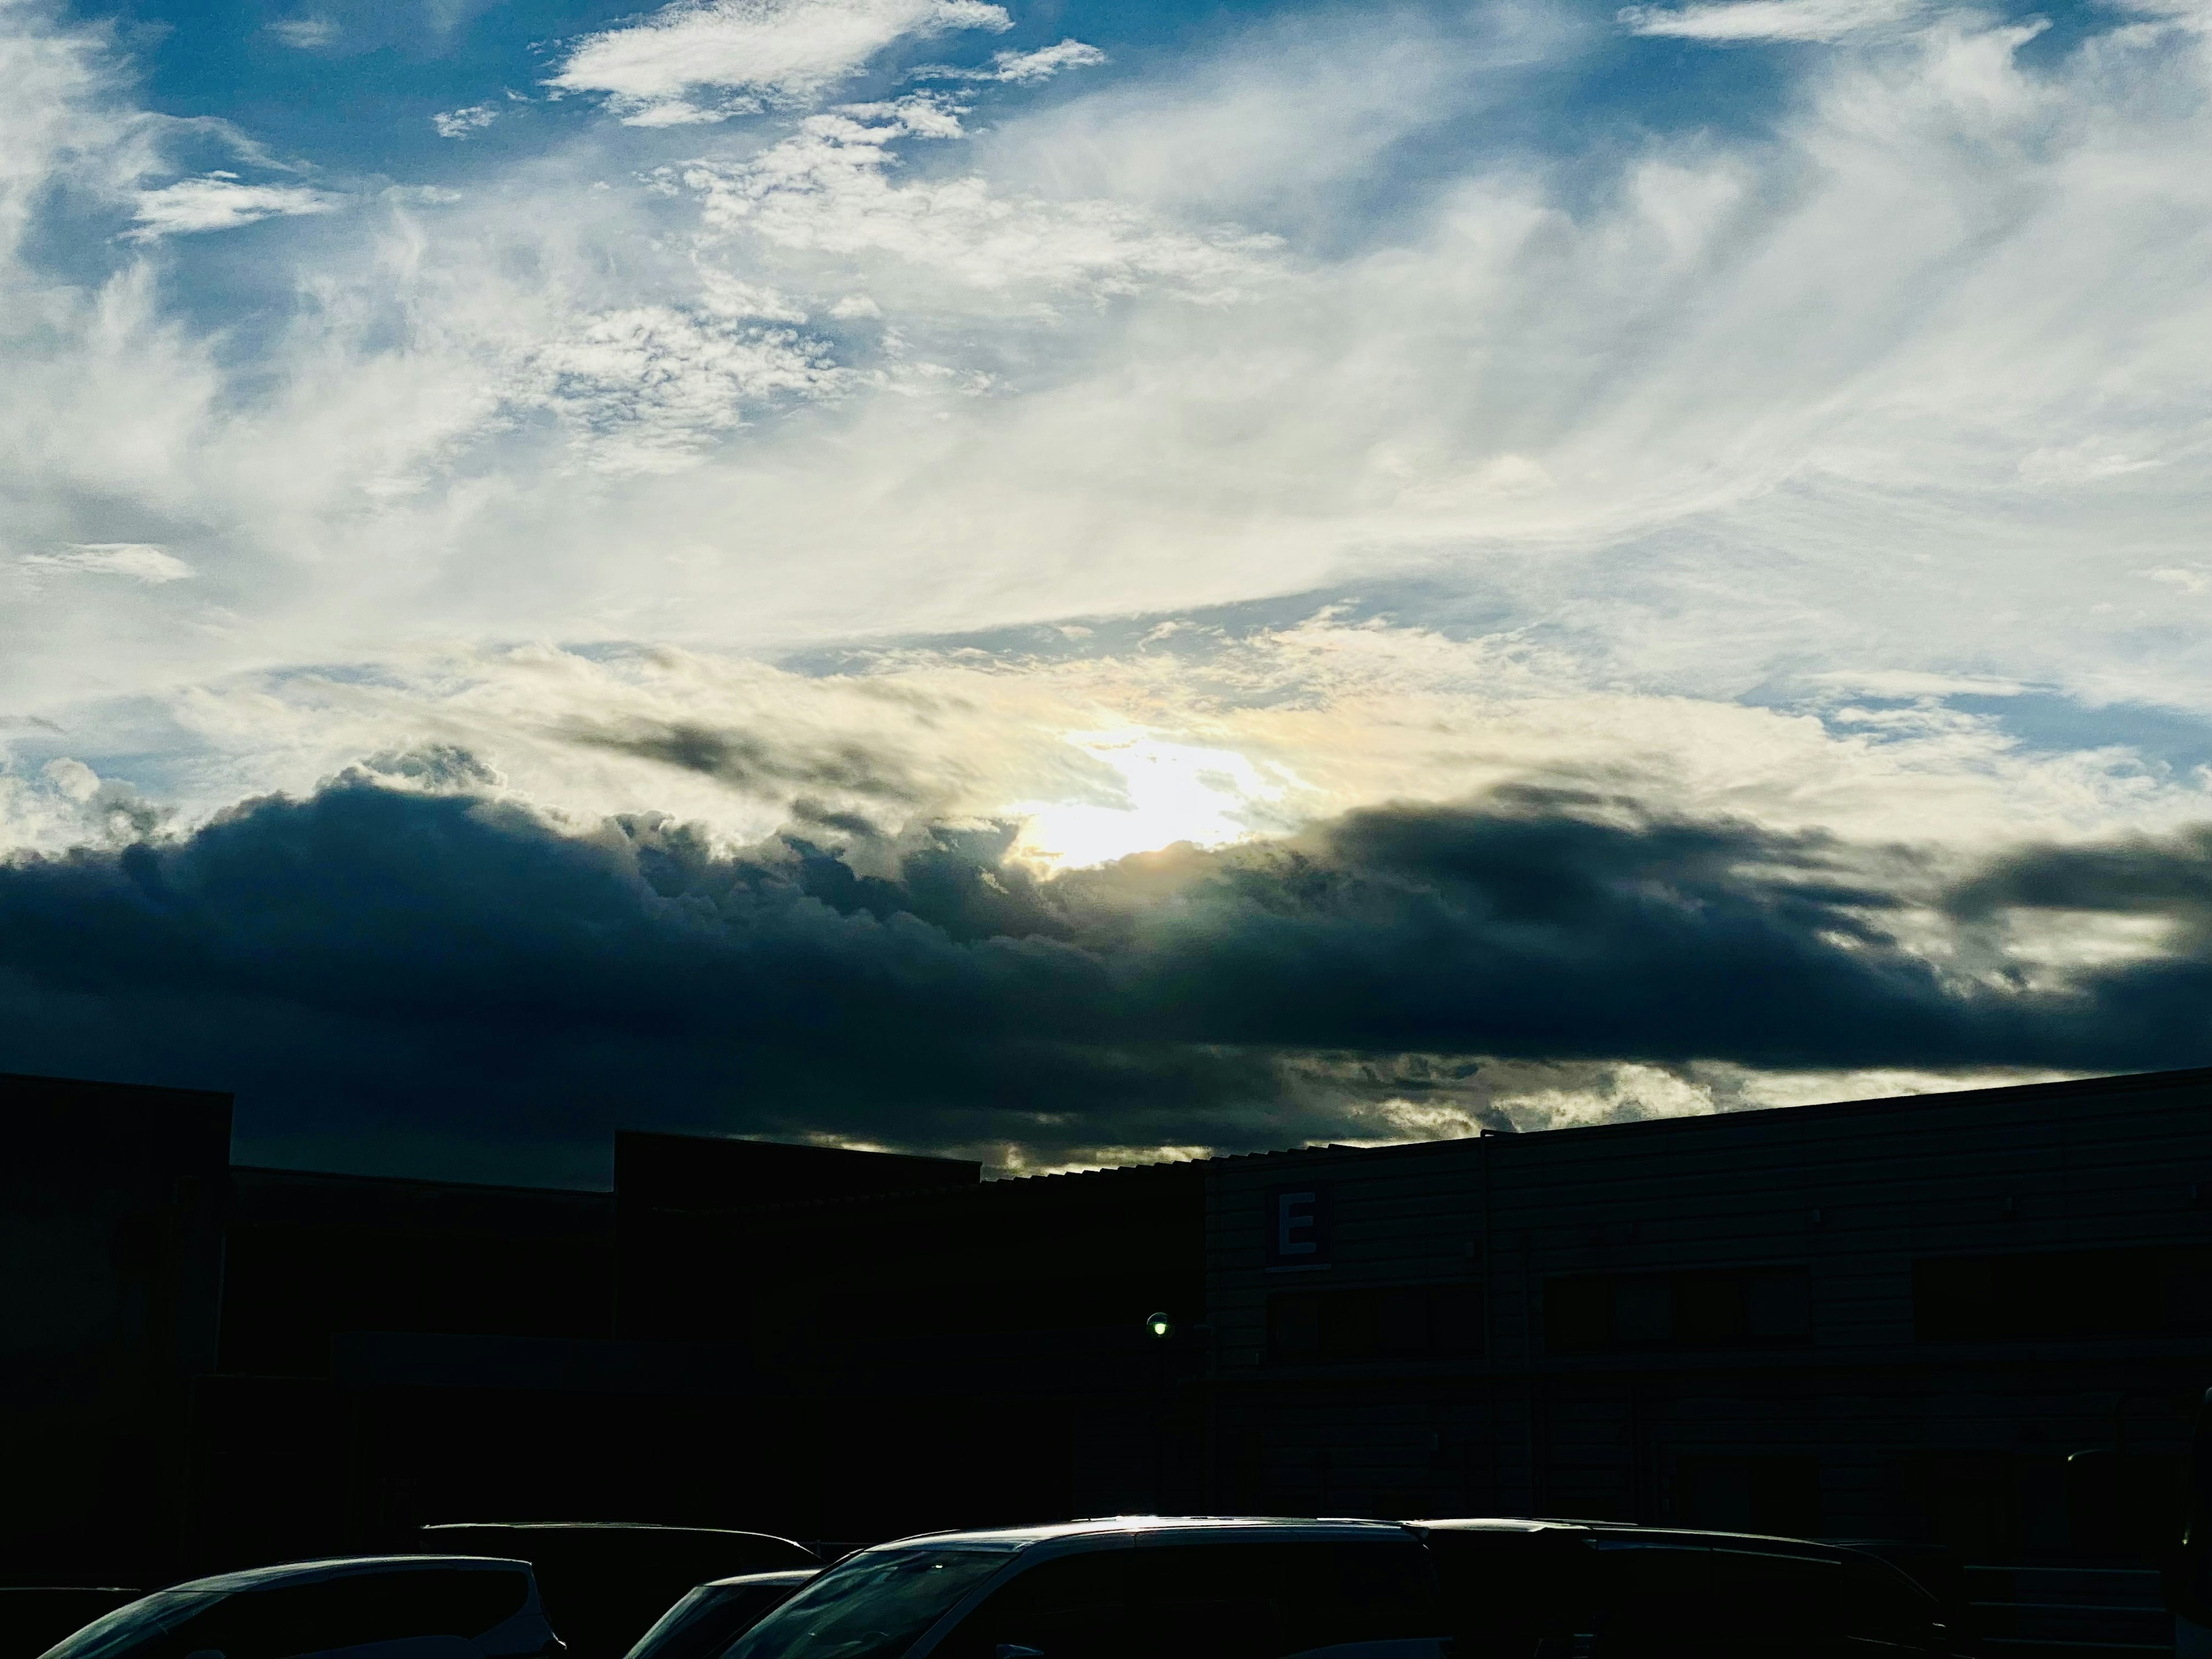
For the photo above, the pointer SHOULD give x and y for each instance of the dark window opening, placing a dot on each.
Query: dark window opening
(2126, 1505)
(1779, 1496)
(1702, 1307)
(1393, 1321)
(2137, 1291)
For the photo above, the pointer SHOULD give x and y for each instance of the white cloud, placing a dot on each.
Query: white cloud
(827, 189)
(781, 49)
(1127, 749)
(140, 561)
(307, 33)
(1912, 683)
(1021, 68)
(1728, 415)
(643, 389)
(2197, 578)
(461, 122)
(1744, 23)
(218, 201)
(2087, 462)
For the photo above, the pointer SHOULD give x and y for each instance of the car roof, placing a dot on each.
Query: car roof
(1126, 1526)
(787, 1576)
(1631, 1530)
(592, 1526)
(343, 1566)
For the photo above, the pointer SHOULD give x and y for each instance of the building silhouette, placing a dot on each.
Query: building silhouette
(1975, 1319)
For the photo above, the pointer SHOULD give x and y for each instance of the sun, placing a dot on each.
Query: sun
(1171, 792)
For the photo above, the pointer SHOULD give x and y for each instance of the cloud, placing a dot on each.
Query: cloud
(1749, 23)
(218, 201)
(2188, 579)
(1020, 68)
(372, 960)
(461, 122)
(307, 33)
(827, 189)
(1558, 399)
(2168, 878)
(753, 761)
(780, 49)
(644, 388)
(140, 561)
(1591, 409)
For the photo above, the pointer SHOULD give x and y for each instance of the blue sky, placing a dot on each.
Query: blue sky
(1128, 426)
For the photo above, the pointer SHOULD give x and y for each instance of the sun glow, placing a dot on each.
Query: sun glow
(1169, 792)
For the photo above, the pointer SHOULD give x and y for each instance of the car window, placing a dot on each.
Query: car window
(1879, 1605)
(875, 1606)
(349, 1612)
(1263, 1600)
(1654, 1600)
(1764, 1601)
(1509, 1589)
(709, 1618)
(1075, 1608)
(133, 1626)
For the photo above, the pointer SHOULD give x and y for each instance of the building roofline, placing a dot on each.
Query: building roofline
(103, 1086)
(2117, 1082)
(606, 1194)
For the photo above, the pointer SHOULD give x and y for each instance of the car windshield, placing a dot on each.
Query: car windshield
(709, 1619)
(133, 1624)
(875, 1606)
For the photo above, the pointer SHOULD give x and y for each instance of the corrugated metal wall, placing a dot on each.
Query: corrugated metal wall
(1712, 1321)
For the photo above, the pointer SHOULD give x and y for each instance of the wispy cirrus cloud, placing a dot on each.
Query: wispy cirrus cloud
(139, 561)
(778, 49)
(1787, 445)
(1749, 22)
(306, 33)
(829, 188)
(220, 201)
(644, 388)
(1019, 68)
(461, 123)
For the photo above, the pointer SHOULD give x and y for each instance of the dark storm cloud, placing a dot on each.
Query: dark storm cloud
(2138, 876)
(748, 760)
(428, 968)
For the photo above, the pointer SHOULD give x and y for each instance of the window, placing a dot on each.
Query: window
(349, 1610)
(1775, 1495)
(1393, 1322)
(1075, 1608)
(710, 1618)
(2137, 1291)
(2126, 1505)
(876, 1606)
(1259, 1601)
(1504, 1591)
(1702, 1307)
(1880, 1603)
(1653, 1599)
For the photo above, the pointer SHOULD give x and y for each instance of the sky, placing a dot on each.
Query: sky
(1074, 584)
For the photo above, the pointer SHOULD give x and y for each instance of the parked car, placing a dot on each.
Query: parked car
(709, 1618)
(385, 1607)
(1532, 1590)
(1937, 1569)
(33, 1617)
(1130, 1588)
(605, 1583)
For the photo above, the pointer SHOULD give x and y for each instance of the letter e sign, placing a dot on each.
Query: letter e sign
(1298, 1226)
